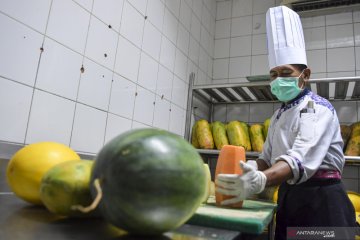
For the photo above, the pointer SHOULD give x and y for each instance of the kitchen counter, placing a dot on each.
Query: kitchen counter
(21, 221)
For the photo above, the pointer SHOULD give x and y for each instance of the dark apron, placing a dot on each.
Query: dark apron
(314, 203)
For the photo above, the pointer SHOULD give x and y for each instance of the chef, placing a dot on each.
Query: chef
(303, 152)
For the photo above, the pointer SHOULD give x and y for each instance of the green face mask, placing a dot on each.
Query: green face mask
(285, 88)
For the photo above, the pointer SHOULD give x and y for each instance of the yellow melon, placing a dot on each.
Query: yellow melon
(28, 165)
(355, 199)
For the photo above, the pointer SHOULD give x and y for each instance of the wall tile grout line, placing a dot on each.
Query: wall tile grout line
(72, 100)
(173, 77)
(36, 75)
(79, 79)
(112, 78)
(229, 50)
(138, 70)
(158, 64)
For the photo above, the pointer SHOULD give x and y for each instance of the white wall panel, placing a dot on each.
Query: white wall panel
(89, 129)
(115, 126)
(122, 97)
(15, 100)
(34, 13)
(19, 51)
(155, 13)
(101, 43)
(59, 70)
(109, 11)
(144, 106)
(132, 24)
(95, 85)
(68, 24)
(51, 119)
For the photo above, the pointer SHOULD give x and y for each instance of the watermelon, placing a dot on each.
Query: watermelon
(152, 181)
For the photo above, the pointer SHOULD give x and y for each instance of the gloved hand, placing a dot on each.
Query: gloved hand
(252, 163)
(242, 186)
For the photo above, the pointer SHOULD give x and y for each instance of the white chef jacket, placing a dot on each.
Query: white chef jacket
(308, 142)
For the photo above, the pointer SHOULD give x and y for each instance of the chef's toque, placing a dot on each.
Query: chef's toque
(285, 37)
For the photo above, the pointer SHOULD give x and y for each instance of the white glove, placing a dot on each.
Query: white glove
(252, 163)
(241, 186)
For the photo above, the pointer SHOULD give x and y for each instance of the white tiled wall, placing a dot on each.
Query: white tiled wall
(80, 72)
(51, 117)
(240, 40)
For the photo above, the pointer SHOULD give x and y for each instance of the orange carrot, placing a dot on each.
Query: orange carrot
(228, 163)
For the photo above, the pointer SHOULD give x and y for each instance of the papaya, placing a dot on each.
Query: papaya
(66, 185)
(219, 134)
(238, 134)
(256, 137)
(355, 129)
(245, 128)
(204, 135)
(345, 133)
(228, 163)
(194, 140)
(266, 127)
(353, 147)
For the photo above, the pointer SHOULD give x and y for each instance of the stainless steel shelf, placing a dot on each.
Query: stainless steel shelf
(352, 159)
(255, 91)
(342, 88)
(208, 151)
(216, 152)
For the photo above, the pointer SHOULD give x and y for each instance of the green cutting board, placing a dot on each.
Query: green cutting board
(252, 218)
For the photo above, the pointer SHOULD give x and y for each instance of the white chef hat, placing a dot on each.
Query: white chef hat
(285, 37)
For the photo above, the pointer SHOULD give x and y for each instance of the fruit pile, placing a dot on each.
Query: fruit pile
(207, 135)
(144, 181)
(351, 138)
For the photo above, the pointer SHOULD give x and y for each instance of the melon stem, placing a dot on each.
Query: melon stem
(96, 201)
